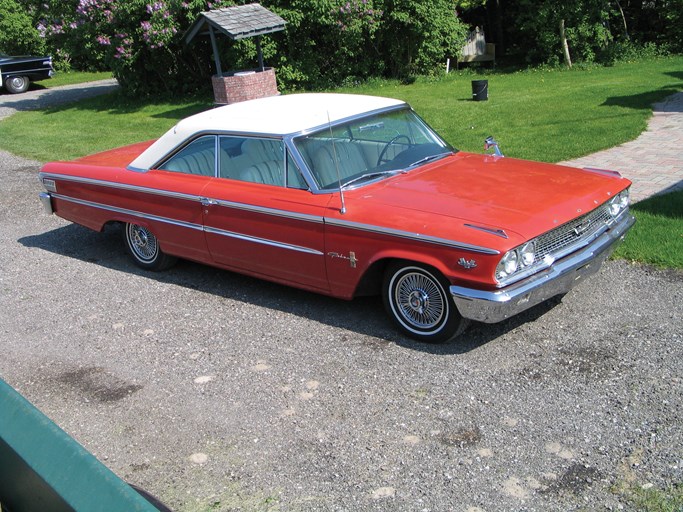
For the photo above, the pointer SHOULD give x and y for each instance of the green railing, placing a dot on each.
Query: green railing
(43, 469)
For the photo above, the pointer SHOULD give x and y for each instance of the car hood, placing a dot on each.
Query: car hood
(519, 197)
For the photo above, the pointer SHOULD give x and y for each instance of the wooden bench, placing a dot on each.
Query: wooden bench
(477, 49)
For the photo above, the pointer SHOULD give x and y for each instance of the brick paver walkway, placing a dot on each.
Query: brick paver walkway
(654, 161)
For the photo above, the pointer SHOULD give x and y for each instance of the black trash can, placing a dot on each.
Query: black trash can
(480, 90)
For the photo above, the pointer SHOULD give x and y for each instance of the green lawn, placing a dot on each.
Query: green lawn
(545, 115)
(657, 237)
(72, 77)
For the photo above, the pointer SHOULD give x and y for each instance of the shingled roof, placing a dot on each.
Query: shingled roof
(237, 22)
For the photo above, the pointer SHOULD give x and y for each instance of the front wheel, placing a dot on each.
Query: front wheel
(17, 84)
(417, 299)
(143, 246)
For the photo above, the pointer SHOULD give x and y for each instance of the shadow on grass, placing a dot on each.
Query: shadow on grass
(642, 101)
(667, 204)
(364, 315)
(117, 103)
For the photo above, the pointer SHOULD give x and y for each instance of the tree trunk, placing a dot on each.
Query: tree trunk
(565, 45)
(623, 18)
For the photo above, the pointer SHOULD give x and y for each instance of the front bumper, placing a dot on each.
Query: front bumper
(562, 276)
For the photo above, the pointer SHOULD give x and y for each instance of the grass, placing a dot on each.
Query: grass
(652, 499)
(92, 125)
(543, 114)
(657, 237)
(71, 77)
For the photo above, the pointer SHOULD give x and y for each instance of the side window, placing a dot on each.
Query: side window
(294, 177)
(198, 157)
(253, 159)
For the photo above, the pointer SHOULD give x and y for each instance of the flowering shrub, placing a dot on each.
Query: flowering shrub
(326, 42)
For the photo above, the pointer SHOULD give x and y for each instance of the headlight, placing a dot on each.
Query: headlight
(619, 203)
(625, 198)
(516, 261)
(527, 254)
(507, 265)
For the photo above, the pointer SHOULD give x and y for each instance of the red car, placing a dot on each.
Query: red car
(350, 195)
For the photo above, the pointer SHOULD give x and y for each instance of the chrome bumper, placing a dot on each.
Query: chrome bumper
(562, 276)
(46, 200)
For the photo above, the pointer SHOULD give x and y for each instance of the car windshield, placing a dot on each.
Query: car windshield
(371, 148)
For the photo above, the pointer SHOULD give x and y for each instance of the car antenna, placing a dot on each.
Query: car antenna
(336, 165)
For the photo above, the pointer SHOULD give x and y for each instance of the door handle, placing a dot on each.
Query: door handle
(208, 202)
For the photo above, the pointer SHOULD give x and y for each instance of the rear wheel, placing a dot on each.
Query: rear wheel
(17, 84)
(143, 246)
(417, 299)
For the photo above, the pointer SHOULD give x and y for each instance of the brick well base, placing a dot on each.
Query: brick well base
(243, 86)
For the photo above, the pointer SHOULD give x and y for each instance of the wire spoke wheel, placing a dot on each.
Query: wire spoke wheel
(420, 300)
(417, 299)
(142, 242)
(144, 247)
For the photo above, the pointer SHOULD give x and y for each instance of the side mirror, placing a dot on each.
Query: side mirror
(489, 143)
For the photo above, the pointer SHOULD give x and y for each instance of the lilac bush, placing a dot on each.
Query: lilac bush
(326, 43)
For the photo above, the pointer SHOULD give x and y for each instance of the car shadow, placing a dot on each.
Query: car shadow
(363, 315)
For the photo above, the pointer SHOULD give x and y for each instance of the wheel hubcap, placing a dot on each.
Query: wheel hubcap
(143, 243)
(419, 300)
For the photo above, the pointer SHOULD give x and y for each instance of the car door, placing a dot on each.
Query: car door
(177, 206)
(261, 219)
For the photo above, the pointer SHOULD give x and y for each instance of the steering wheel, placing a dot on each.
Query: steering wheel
(387, 145)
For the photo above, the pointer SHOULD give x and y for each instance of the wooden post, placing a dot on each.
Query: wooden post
(216, 57)
(260, 53)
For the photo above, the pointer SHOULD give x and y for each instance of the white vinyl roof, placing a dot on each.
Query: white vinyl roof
(275, 115)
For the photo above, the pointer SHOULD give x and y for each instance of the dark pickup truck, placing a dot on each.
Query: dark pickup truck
(17, 72)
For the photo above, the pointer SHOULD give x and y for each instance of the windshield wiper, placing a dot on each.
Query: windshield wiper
(429, 158)
(370, 175)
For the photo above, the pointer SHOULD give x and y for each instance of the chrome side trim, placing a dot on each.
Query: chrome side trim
(271, 211)
(189, 225)
(187, 197)
(133, 213)
(262, 241)
(411, 236)
(121, 186)
(370, 228)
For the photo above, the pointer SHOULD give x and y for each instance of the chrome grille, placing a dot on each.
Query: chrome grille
(573, 234)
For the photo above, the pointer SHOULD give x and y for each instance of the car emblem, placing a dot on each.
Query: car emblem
(467, 264)
(351, 258)
(581, 228)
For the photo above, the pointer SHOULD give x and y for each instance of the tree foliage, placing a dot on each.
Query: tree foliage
(586, 22)
(328, 42)
(18, 34)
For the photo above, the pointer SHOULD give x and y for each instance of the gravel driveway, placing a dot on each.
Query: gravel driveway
(215, 391)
